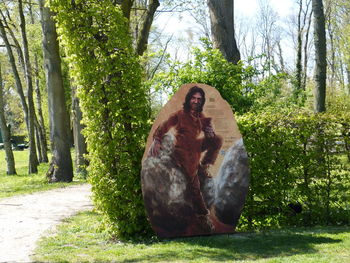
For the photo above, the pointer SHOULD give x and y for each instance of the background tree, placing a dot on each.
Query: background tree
(307, 20)
(320, 56)
(199, 11)
(222, 28)
(247, 40)
(145, 26)
(33, 162)
(337, 26)
(270, 36)
(35, 52)
(61, 169)
(33, 159)
(5, 132)
(303, 24)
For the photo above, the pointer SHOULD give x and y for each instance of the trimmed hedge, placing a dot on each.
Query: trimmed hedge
(300, 168)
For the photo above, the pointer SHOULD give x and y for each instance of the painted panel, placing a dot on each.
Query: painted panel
(195, 172)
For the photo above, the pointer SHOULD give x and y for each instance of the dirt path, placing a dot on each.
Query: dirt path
(23, 219)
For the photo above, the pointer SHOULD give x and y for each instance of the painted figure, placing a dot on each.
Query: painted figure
(194, 135)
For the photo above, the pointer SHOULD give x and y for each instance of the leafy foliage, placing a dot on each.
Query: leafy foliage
(114, 103)
(299, 163)
(236, 83)
(13, 112)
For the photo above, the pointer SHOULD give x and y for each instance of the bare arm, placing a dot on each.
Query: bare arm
(159, 133)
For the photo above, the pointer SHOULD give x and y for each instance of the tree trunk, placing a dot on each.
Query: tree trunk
(15, 42)
(18, 82)
(5, 132)
(320, 56)
(33, 159)
(332, 49)
(222, 29)
(61, 169)
(142, 40)
(125, 6)
(299, 68)
(280, 56)
(306, 55)
(41, 123)
(79, 139)
(16, 76)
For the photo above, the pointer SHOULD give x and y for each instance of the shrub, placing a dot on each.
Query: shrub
(299, 170)
(114, 104)
(210, 67)
(238, 84)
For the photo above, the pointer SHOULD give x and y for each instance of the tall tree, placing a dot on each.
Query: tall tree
(222, 29)
(39, 122)
(142, 39)
(331, 52)
(306, 47)
(299, 67)
(320, 56)
(125, 6)
(303, 29)
(61, 169)
(33, 159)
(337, 15)
(270, 34)
(5, 132)
(19, 87)
(246, 38)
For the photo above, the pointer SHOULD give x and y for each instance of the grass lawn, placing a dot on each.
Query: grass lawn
(22, 183)
(79, 239)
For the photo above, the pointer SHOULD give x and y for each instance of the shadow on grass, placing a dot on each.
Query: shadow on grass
(241, 247)
(230, 247)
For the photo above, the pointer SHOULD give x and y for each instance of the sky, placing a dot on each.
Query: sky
(250, 7)
(182, 26)
(173, 24)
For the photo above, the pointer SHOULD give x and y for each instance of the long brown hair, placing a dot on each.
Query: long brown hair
(190, 93)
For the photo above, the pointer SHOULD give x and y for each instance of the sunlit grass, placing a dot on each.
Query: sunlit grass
(24, 183)
(79, 239)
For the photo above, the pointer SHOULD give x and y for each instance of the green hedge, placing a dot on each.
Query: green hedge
(298, 160)
(115, 109)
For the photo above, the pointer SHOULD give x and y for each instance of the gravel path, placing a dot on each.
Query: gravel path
(23, 219)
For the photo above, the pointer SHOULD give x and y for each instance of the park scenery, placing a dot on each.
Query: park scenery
(174, 131)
